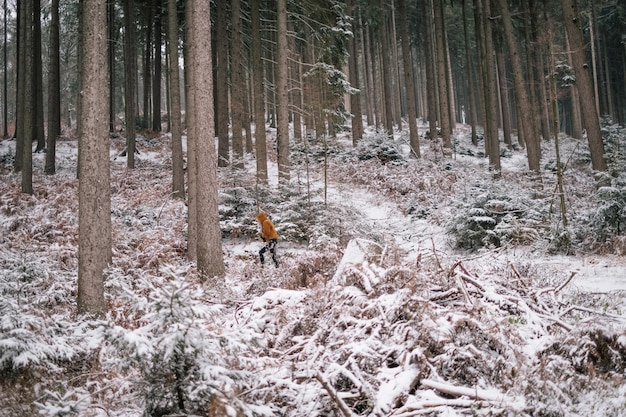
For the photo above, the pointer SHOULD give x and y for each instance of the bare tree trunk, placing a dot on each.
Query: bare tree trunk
(111, 51)
(533, 148)
(585, 86)
(54, 90)
(190, 116)
(156, 82)
(355, 99)
(505, 108)
(210, 255)
(577, 124)
(147, 8)
(282, 132)
(130, 69)
(5, 100)
(408, 80)
(260, 142)
(442, 79)
(470, 77)
(26, 129)
(94, 192)
(386, 73)
(38, 133)
(430, 70)
(491, 129)
(237, 84)
(221, 74)
(178, 174)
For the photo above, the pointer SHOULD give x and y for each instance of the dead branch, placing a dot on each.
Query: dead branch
(473, 393)
(560, 287)
(343, 407)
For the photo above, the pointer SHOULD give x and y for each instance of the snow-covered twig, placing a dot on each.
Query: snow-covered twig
(473, 393)
(343, 407)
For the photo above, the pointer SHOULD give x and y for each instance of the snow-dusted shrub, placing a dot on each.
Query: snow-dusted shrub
(32, 335)
(184, 361)
(492, 215)
(607, 220)
(237, 208)
(380, 146)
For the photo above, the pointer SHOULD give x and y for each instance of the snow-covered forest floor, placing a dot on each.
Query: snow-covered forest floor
(406, 288)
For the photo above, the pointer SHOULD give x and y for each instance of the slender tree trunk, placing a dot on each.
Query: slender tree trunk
(491, 126)
(94, 193)
(5, 91)
(584, 83)
(524, 114)
(260, 143)
(221, 74)
(355, 99)
(282, 132)
(130, 59)
(237, 84)
(577, 124)
(408, 80)
(505, 109)
(111, 50)
(39, 134)
(156, 83)
(147, 62)
(430, 69)
(386, 74)
(27, 129)
(190, 116)
(470, 77)
(54, 90)
(442, 80)
(178, 175)
(210, 255)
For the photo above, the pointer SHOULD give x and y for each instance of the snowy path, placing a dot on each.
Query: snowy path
(593, 274)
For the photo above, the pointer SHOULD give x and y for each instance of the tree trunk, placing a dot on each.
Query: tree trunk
(147, 62)
(237, 85)
(408, 80)
(5, 100)
(130, 69)
(533, 147)
(470, 77)
(221, 74)
(94, 193)
(54, 90)
(39, 133)
(111, 50)
(442, 80)
(156, 82)
(282, 131)
(585, 86)
(178, 174)
(353, 70)
(386, 73)
(503, 88)
(26, 130)
(210, 255)
(492, 141)
(431, 99)
(260, 143)
(190, 116)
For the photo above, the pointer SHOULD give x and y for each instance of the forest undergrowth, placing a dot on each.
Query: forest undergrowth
(472, 319)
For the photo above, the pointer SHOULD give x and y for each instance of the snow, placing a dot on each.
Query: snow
(394, 322)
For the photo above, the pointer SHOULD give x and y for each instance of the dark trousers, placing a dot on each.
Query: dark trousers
(271, 246)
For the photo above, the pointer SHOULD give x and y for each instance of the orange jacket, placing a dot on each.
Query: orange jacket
(268, 231)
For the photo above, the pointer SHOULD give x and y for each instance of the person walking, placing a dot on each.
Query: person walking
(269, 236)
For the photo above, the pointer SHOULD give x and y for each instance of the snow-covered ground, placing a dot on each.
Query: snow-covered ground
(396, 322)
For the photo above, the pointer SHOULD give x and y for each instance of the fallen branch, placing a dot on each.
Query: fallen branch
(473, 393)
(343, 407)
(560, 287)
